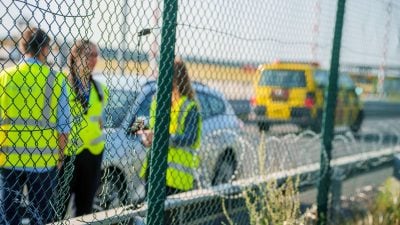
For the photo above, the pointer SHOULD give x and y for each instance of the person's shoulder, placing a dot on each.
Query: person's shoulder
(9, 70)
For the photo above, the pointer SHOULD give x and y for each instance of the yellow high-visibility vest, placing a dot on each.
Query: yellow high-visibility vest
(86, 132)
(29, 96)
(182, 161)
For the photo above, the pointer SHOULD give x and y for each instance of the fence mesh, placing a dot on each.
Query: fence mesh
(216, 110)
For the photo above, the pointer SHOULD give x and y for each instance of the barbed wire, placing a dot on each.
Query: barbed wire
(239, 37)
(54, 13)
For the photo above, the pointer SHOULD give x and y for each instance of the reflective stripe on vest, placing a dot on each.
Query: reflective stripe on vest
(95, 118)
(95, 141)
(30, 142)
(184, 108)
(182, 161)
(189, 150)
(88, 133)
(47, 94)
(181, 168)
(27, 150)
(46, 124)
(46, 113)
(98, 140)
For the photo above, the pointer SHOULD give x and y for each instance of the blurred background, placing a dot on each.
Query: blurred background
(261, 69)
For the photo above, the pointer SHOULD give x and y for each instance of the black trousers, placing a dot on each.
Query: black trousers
(85, 181)
(41, 188)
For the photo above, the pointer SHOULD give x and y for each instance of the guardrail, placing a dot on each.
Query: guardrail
(185, 204)
(381, 109)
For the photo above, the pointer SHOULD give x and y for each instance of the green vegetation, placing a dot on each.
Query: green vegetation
(383, 210)
(273, 203)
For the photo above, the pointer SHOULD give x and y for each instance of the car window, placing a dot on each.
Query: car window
(283, 78)
(205, 109)
(144, 107)
(117, 107)
(217, 105)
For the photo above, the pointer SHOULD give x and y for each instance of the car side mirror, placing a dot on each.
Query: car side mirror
(358, 90)
(140, 123)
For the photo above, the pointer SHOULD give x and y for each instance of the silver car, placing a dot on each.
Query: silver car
(130, 97)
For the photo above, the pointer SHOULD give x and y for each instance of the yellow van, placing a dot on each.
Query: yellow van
(287, 92)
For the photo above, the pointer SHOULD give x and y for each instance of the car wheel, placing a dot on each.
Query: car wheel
(356, 126)
(111, 192)
(263, 127)
(317, 125)
(303, 127)
(225, 168)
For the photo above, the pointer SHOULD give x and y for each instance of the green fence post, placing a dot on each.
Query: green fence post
(329, 118)
(159, 150)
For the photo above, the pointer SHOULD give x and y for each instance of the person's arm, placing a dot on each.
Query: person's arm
(147, 135)
(63, 121)
(62, 143)
(189, 135)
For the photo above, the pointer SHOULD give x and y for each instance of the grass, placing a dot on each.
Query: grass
(276, 203)
(272, 203)
(383, 210)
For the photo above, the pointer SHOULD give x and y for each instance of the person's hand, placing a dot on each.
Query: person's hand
(146, 137)
(60, 162)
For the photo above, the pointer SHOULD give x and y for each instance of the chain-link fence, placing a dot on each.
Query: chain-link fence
(194, 112)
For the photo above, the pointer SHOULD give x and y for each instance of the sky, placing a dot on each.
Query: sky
(224, 30)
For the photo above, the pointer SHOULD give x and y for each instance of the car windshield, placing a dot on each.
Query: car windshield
(119, 104)
(283, 78)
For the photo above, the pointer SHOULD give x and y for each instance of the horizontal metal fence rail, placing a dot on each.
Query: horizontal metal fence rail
(354, 165)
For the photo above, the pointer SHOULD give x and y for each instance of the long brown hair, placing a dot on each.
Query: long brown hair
(181, 80)
(78, 50)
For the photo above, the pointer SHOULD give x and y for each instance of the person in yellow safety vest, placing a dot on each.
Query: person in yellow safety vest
(86, 141)
(185, 133)
(34, 127)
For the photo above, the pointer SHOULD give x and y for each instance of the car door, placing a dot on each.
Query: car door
(322, 81)
(218, 133)
(350, 100)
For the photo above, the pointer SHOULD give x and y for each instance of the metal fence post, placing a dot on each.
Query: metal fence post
(159, 150)
(329, 118)
(336, 192)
